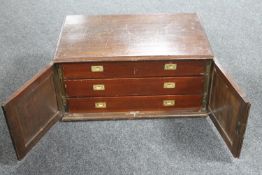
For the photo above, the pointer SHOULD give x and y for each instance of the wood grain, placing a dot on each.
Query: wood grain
(135, 103)
(133, 69)
(132, 115)
(133, 50)
(134, 86)
(31, 111)
(229, 109)
(132, 37)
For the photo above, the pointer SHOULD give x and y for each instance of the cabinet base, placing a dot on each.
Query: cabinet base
(131, 115)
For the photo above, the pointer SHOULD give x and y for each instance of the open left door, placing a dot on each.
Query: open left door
(228, 108)
(32, 110)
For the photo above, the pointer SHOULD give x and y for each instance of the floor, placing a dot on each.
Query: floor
(28, 35)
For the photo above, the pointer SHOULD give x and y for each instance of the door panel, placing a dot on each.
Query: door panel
(32, 110)
(228, 109)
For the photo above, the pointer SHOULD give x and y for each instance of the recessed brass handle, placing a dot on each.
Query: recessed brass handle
(97, 68)
(170, 67)
(169, 102)
(98, 87)
(169, 85)
(100, 105)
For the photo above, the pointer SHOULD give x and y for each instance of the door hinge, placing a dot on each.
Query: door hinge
(206, 86)
(204, 101)
(238, 127)
(60, 74)
(64, 101)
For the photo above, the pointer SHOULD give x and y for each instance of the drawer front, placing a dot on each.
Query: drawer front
(135, 103)
(132, 69)
(134, 86)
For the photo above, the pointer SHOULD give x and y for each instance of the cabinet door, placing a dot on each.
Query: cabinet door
(228, 108)
(31, 111)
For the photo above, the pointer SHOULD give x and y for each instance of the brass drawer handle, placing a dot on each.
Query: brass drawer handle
(170, 67)
(169, 102)
(169, 85)
(98, 87)
(97, 68)
(100, 105)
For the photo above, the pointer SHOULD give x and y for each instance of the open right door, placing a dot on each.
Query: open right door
(228, 108)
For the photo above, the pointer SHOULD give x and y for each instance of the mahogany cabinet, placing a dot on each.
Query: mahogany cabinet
(128, 67)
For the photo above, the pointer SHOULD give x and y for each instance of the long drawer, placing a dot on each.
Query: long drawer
(135, 103)
(134, 86)
(132, 69)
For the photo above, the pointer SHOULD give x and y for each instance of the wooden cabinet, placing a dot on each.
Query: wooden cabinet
(128, 67)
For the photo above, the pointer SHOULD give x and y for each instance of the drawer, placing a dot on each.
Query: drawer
(134, 86)
(132, 69)
(135, 103)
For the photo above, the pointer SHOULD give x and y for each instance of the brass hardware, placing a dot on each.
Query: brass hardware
(169, 85)
(100, 104)
(170, 67)
(64, 103)
(97, 68)
(238, 127)
(60, 74)
(206, 88)
(60, 87)
(98, 87)
(64, 100)
(169, 102)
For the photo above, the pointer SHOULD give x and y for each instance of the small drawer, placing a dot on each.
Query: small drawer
(132, 69)
(134, 86)
(135, 103)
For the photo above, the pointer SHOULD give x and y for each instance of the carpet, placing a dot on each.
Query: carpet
(28, 35)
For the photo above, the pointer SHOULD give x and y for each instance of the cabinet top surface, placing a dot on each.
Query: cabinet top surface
(132, 37)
